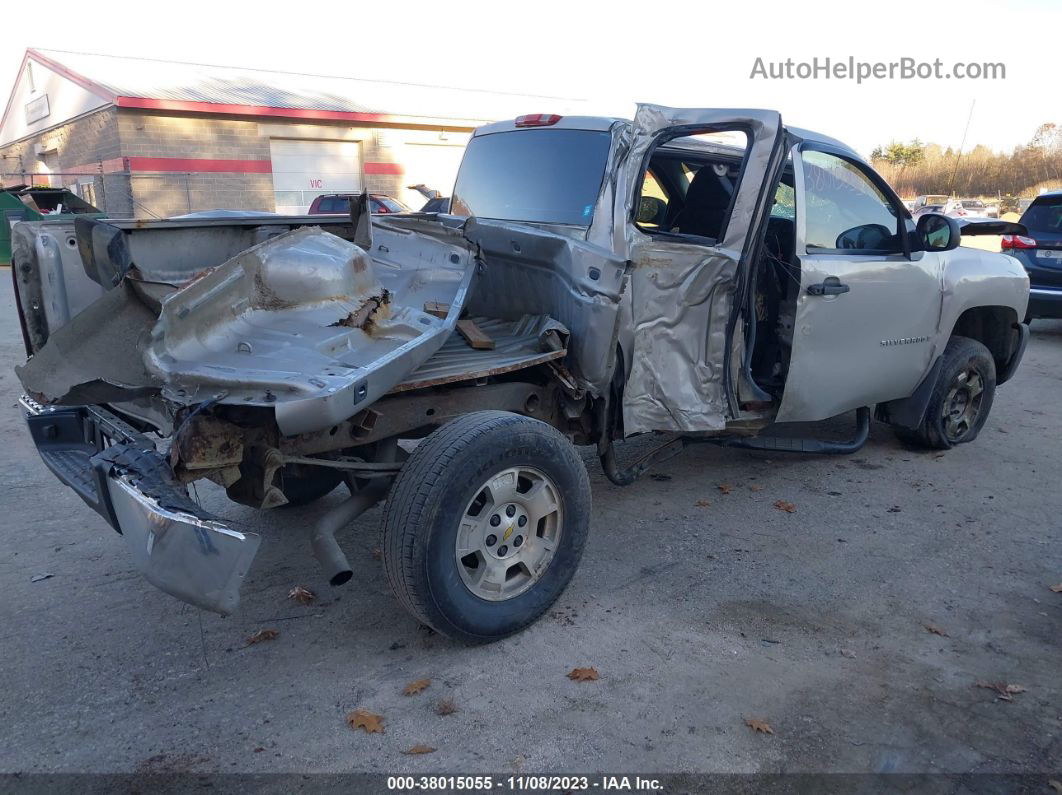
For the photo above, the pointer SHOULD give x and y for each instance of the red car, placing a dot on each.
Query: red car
(339, 203)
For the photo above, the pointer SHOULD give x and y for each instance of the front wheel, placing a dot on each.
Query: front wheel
(961, 399)
(485, 525)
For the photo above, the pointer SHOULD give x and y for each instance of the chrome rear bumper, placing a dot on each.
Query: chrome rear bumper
(177, 546)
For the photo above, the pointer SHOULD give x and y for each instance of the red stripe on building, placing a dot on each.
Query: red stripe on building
(187, 106)
(200, 165)
(384, 168)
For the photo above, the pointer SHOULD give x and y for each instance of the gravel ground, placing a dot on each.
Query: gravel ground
(696, 616)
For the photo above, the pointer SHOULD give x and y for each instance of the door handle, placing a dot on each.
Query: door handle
(831, 285)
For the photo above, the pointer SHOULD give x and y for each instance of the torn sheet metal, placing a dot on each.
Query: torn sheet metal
(305, 322)
(682, 293)
(97, 357)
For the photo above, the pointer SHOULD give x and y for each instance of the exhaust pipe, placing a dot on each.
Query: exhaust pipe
(323, 537)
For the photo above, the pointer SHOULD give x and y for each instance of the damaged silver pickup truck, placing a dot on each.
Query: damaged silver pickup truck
(694, 274)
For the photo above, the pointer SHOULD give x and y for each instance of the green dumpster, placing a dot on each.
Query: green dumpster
(23, 203)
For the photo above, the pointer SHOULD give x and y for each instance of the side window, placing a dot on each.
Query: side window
(784, 202)
(690, 184)
(844, 209)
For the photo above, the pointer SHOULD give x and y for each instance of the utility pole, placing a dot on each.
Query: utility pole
(958, 155)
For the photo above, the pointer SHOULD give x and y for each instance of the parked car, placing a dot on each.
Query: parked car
(935, 199)
(339, 204)
(1040, 253)
(927, 208)
(964, 208)
(597, 279)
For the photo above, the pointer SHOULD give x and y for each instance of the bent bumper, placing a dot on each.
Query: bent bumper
(177, 546)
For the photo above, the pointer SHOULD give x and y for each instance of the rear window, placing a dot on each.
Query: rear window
(333, 204)
(545, 176)
(390, 204)
(1043, 219)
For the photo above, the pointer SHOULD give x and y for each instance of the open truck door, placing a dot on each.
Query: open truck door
(686, 263)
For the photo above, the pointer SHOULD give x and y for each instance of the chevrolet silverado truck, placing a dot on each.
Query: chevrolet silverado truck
(691, 276)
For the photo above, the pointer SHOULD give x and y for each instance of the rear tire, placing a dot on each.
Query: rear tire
(961, 399)
(494, 490)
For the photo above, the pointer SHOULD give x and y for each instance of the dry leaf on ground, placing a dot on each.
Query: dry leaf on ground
(415, 687)
(1004, 691)
(445, 706)
(304, 596)
(936, 630)
(756, 487)
(1057, 588)
(377, 553)
(782, 505)
(848, 653)
(702, 503)
(262, 634)
(363, 719)
(583, 674)
(726, 488)
(758, 725)
(1055, 784)
(420, 749)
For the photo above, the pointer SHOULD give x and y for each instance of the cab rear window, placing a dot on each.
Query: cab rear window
(544, 176)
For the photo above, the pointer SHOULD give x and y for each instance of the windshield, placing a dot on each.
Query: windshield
(544, 176)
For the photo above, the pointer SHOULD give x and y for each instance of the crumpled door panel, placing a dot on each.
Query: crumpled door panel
(681, 290)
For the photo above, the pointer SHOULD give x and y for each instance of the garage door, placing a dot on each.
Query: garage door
(432, 165)
(303, 170)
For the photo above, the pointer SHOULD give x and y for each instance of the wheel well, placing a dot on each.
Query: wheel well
(993, 327)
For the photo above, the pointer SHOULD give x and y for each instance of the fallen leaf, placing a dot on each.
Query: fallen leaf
(659, 476)
(304, 596)
(445, 706)
(756, 487)
(259, 749)
(782, 505)
(726, 488)
(377, 553)
(262, 634)
(1055, 784)
(1057, 588)
(702, 503)
(758, 725)
(40, 577)
(415, 687)
(420, 749)
(848, 653)
(363, 719)
(936, 630)
(1004, 691)
(894, 509)
(583, 674)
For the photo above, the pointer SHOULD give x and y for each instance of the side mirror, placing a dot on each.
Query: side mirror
(937, 232)
(651, 210)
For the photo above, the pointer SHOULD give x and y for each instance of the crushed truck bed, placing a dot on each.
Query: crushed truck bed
(306, 323)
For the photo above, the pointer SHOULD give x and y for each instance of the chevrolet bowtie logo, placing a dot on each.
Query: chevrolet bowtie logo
(508, 533)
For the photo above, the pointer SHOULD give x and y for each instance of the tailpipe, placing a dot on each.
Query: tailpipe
(323, 536)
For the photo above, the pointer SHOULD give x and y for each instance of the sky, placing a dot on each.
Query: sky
(614, 54)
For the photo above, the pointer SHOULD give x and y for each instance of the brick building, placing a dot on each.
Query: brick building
(147, 138)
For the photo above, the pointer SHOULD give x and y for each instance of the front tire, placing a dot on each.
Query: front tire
(961, 399)
(485, 525)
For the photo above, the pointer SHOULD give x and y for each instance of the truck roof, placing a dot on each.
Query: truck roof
(603, 123)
